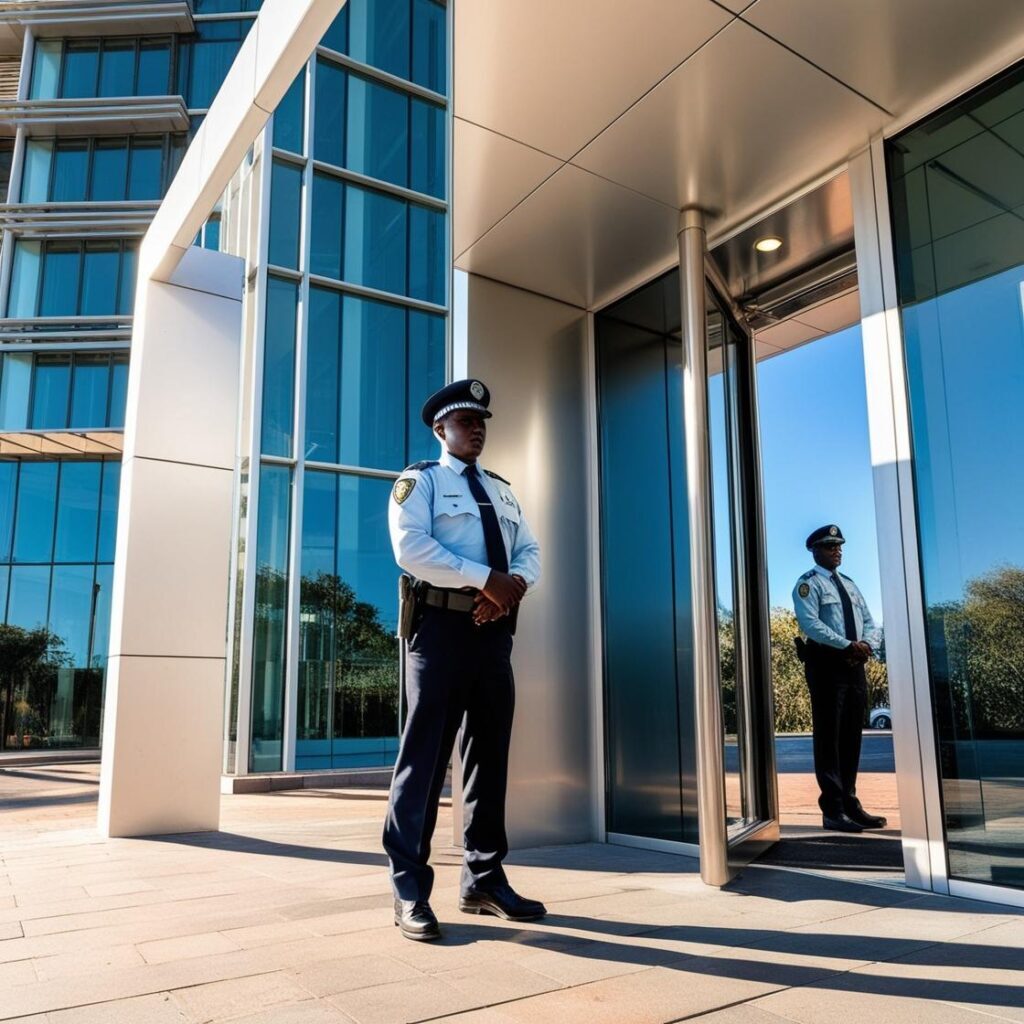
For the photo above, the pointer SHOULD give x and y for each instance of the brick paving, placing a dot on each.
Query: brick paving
(283, 917)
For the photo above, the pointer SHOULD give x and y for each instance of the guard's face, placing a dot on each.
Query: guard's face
(464, 433)
(828, 556)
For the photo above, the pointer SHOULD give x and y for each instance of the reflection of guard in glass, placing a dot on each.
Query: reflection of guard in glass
(461, 534)
(841, 638)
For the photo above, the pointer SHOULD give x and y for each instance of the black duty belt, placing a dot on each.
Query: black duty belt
(453, 600)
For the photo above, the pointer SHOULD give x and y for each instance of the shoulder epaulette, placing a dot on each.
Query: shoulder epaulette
(496, 477)
(420, 466)
(807, 575)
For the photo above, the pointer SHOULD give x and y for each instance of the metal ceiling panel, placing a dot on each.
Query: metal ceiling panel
(741, 123)
(553, 75)
(896, 52)
(577, 238)
(492, 173)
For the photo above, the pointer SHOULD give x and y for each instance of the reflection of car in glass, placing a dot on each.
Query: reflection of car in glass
(880, 718)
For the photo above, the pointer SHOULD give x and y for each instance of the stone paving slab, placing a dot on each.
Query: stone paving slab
(284, 917)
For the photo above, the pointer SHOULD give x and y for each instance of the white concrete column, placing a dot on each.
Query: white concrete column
(164, 708)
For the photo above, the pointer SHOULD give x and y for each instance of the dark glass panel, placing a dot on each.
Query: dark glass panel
(61, 269)
(377, 132)
(429, 45)
(336, 37)
(90, 385)
(426, 372)
(372, 400)
(126, 287)
(71, 618)
(378, 34)
(29, 596)
(289, 117)
(118, 390)
(145, 180)
(109, 170)
(325, 243)
(99, 278)
(375, 240)
(205, 58)
(279, 366)
(6, 162)
(269, 640)
(329, 116)
(428, 148)
(81, 66)
(226, 6)
(101, 617)
(70, 172)
(50, 389)
(154, 68)
(428, 246)
(285, 214)
(37, 503)
(322, 375)
(8, 485)
(117, 68)
(108, 511)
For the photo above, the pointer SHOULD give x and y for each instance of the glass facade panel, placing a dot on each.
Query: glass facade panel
(957, 197)
(375, 240)
(377, 131)
(29, 598)
(289, 117)
(269, 646)
(51, 386)
(15, 390)
(71, 612)
(225, 6)
(8, 477)
(81, 67)
(91, 383)
(35, 180)
(70, 172)
(285, 214)
(37, 504)
(428, 129)
(144, 179)
(379, 34)
(118, 390)
(99, 278)
(329, 122)
(205, 57)
(24, 293)
(328, 218)
(428, 263)
(279, 366)
(46, 69)
(62, 268)
(78, 512)
(109, 170)
(430, 45)
(117, 68)
(154, 78)
(424, 375)
(108, 511)
(323, 381)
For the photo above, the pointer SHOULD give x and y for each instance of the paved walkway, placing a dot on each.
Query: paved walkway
(284, 918)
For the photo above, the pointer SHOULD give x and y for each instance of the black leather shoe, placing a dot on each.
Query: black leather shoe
(416, 920)
(503, 902)
(861, 817)
(840, 822)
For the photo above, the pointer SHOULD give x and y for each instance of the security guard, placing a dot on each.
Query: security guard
(462, 534)
(841, 638)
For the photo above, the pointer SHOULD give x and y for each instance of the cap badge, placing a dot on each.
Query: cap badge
(476, 389)
(833, 531)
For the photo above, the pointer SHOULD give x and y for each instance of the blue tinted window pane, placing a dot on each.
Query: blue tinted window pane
(118, 391)
(279, 366)
(60, 282)
(429, 45)
(285, 214)
(81, 65)
(46, 69)
(126, 288)
(50, 386)
(25, 279)
(427, 250)
(426, 372)
(99, 279)
(372, 397)
(375, 236)
(8, 481)
(29, 596)
(211, 234)
(378, 34)
(101, 615)
(71, 609)
(117, 69)
(336, 36)
(269, 647)
(225, 6)
(322, 368)
(37, 502)
(78, 512)
(329, 118)
(70, 168)
(378, 131)
(428, 148)
(325, 243)
(15, 389)
(109, 170)
(290, 115)
(154, 69)
(206, 57)
(144, 181)
(108, 511)
(89, 388)
(35, 181)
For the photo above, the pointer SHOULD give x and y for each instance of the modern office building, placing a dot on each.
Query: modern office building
(646, 199)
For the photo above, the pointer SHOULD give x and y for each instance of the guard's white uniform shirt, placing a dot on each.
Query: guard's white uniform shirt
(820, 610)
(437, 534)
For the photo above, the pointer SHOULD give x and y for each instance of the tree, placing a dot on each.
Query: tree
(29, 659)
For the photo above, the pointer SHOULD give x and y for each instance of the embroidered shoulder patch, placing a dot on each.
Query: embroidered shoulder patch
(803, 591)
(403, 488)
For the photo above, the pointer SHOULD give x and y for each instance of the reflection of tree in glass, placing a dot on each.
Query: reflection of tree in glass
(983, 639)
(29, 660)
(727, 668)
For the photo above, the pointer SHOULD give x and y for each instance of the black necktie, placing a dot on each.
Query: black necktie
(497, 557)
(849, 622)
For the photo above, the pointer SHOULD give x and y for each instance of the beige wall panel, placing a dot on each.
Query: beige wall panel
(492, 173)
(553, 75)
(531, 352)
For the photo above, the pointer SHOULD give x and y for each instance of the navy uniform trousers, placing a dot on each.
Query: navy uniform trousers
(457, 674)
(838, 699)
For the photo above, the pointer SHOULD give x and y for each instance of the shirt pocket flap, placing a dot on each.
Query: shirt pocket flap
(455, 505)
(508, 510)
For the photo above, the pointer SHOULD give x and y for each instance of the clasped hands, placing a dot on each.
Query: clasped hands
(500, 595)
(858, 653)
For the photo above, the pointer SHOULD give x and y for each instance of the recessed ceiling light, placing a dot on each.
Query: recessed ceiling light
(769, 244)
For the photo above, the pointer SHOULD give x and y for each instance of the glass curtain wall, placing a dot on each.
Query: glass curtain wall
(355, 338)
(957, 194)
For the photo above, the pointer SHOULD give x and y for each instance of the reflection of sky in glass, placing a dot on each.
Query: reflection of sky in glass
(720, 489)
